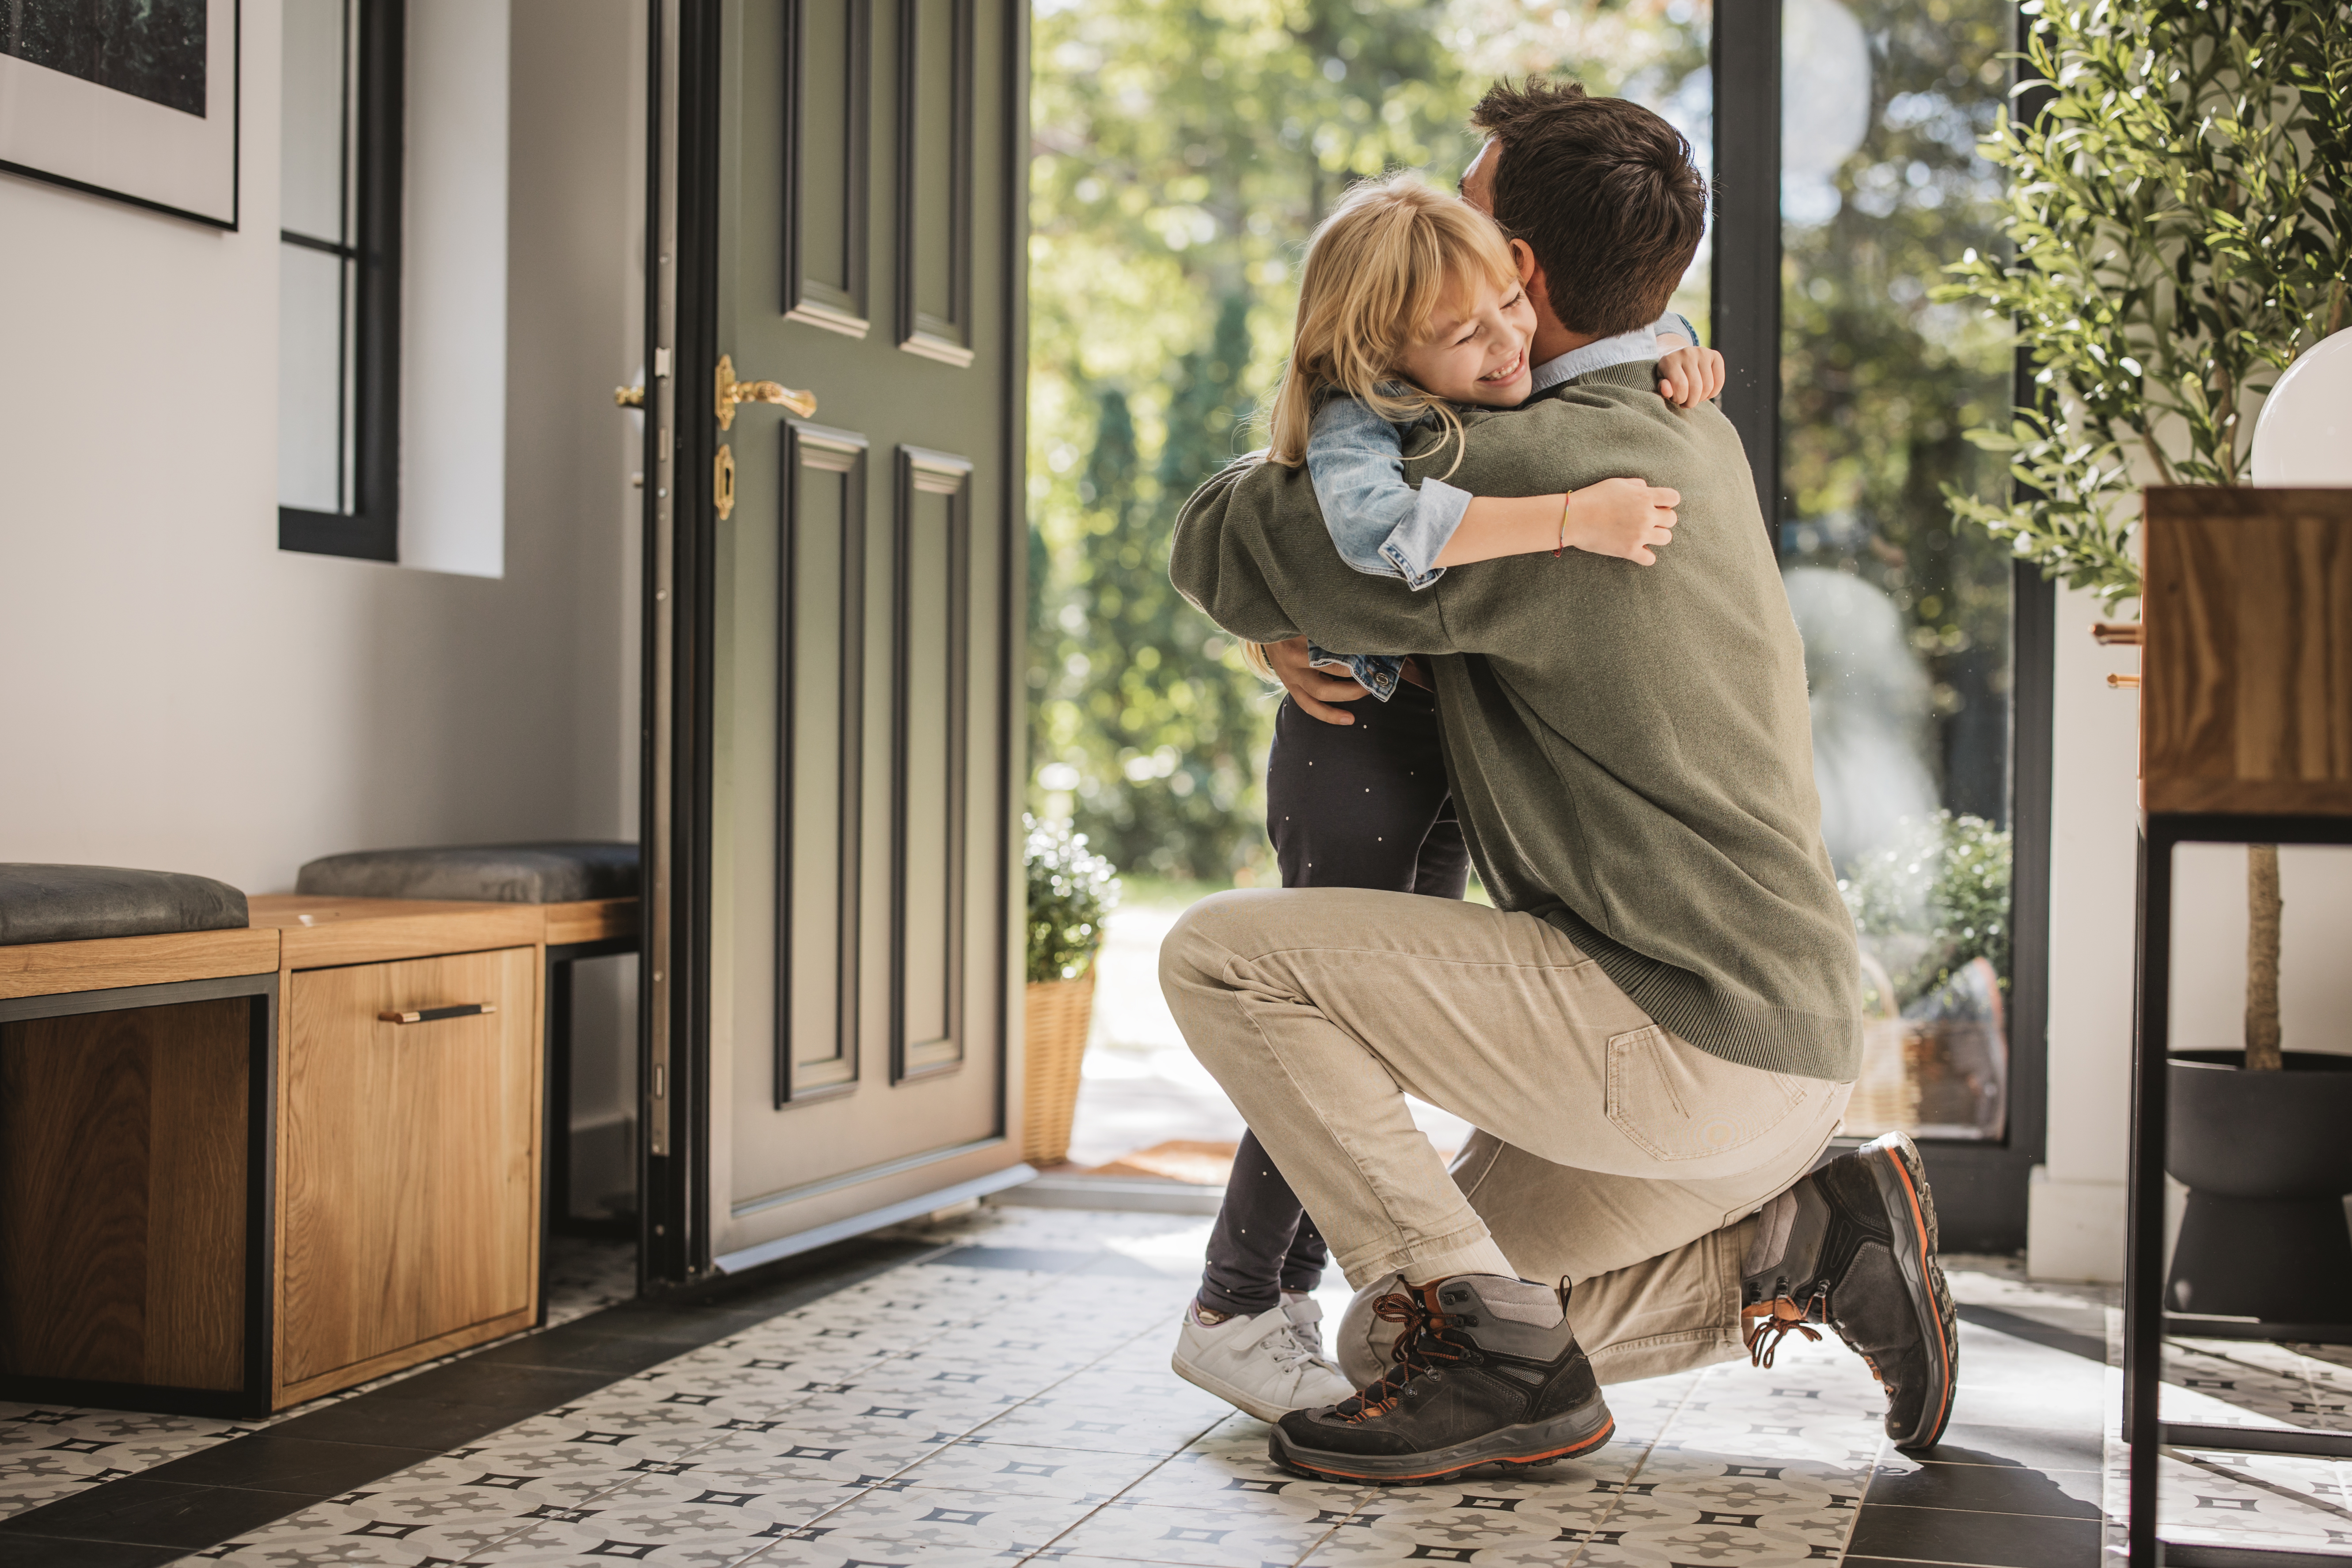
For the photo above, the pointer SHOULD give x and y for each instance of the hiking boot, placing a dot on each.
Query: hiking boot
(1854, 1246)
(1487, 1371)
(1268, 1365)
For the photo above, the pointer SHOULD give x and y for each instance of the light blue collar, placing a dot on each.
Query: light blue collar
(1625, 348)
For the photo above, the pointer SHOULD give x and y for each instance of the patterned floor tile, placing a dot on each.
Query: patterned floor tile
(1132, 1431)
(23, 1489)
(1011, 1470)
(881, 1524)
(1268, 1529)
(2280, 1501)
(1234, 1469)
(587, 1275)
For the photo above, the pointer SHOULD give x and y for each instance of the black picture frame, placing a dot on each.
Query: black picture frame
(156, 127)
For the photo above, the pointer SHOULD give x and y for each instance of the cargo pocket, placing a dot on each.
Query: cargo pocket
(1677, 1102)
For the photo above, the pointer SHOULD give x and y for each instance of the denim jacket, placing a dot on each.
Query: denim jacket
(1384, 527)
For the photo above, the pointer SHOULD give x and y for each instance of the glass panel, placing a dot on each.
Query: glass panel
(312, 401)
(312, 121)
(1906, 616)
(1183, 156)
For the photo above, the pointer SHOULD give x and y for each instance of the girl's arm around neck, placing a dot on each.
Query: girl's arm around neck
(1623, 518)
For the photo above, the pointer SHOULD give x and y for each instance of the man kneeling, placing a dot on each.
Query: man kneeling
(1659, 1022)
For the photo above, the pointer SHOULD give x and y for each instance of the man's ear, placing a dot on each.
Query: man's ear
(1531, 277)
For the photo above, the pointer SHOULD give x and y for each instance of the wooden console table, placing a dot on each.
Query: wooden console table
(2245, 737)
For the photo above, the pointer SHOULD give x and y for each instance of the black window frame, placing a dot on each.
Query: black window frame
(370, 531)
(1982, 1187)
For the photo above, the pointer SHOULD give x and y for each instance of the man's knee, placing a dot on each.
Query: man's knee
(1194, 954)
(1195, 963)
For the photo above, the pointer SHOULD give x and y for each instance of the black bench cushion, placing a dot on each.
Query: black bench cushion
(493, 873)
(79, 903)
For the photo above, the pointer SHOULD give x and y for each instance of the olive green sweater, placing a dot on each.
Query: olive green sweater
(1630, 746)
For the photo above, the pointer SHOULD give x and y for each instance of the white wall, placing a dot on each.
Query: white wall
(453, 283)
(2075, 1223)
(181, 693)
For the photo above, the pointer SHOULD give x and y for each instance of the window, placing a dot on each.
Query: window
(338, 278)
(1847, 135)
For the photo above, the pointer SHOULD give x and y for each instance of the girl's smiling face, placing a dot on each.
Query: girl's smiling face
(1475, 347)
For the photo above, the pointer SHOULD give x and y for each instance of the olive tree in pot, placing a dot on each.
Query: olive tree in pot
(2181, 215)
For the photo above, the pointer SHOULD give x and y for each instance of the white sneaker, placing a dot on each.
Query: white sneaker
(1268, 1365)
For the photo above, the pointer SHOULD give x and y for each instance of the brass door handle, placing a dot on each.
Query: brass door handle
(730, 392)
(434, 1015)
(629, 396)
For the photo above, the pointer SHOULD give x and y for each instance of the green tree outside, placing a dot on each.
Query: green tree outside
(1183, 153)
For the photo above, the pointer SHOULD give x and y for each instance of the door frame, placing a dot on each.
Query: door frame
(684, 132)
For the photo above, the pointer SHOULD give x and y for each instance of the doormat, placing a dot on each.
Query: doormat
(1186, 1160)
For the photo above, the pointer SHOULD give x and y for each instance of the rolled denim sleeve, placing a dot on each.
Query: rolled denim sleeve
(1675, 321)
(1381, 525)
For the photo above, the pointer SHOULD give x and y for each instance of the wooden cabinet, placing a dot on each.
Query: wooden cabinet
(408, 1176)
(409, 1163)
(411, 1159)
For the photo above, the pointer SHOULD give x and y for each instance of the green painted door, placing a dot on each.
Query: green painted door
(863, 612)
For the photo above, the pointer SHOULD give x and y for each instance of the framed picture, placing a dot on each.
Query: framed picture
(135, 99)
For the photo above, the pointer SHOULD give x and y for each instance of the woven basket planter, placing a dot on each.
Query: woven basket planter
(1059, 1012)
(1886, 1089)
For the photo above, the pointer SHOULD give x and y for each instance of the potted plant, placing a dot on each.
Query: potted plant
(1932, 910)
(2182, 232)
(1071, 890)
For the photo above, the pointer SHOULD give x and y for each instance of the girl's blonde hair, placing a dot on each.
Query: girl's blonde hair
(1392, 253)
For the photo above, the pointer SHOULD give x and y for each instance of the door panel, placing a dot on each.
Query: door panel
(863, 610)
(932, 710)
(827, 77)
(820, 677)
(935, 177)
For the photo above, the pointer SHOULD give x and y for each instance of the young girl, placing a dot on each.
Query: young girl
(1411, 302)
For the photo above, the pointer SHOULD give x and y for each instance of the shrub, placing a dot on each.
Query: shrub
(1070, 892)
(1934, 899)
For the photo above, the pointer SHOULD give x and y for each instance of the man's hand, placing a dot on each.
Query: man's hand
(1313, 690)
(1689, 376)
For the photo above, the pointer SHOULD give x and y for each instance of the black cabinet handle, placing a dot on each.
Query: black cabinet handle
(434, 1015)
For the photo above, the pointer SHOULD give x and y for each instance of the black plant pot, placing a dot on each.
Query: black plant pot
(2267, 1157)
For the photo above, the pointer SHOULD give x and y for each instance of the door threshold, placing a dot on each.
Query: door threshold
(872, 1219)
(1132, 1195)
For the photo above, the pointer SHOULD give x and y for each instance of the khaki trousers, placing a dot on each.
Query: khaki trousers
(1617, 1155)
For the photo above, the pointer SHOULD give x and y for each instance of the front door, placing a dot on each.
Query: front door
(835, 609)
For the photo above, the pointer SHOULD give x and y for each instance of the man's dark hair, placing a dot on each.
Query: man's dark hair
(1603, 193)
